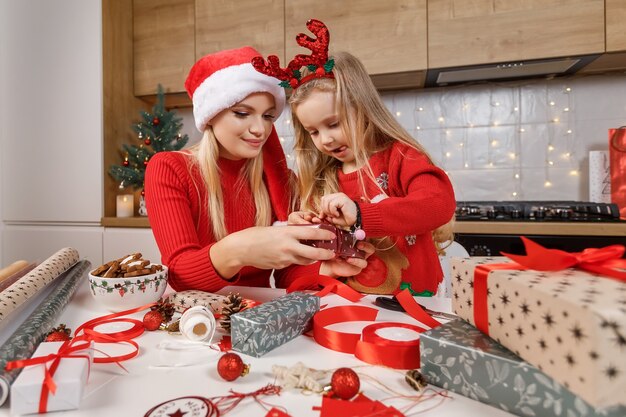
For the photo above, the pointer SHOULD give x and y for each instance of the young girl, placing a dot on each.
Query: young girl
(358, 167)
(208, 206)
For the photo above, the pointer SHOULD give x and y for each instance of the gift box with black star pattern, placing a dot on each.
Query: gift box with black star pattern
(570, 324)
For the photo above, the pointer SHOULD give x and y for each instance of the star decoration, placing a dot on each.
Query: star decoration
(178, 413)
(548, 320)
(577, 333)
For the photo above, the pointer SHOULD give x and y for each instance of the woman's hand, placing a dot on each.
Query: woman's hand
(340, 267)
(338, 209)
(303, 217)
(269, 248)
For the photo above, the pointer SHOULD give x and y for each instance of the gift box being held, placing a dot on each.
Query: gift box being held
(33, 392)
(458, 357)
(262, 328)
(569, 323)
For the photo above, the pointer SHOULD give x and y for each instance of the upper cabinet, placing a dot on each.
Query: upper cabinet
(615, 25)
(389, 37)
(470, 32)
(163, 44)
(170, 35)
(227, 24)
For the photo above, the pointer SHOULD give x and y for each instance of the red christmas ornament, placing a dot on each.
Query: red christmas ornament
(345, 383)
(145, 162)
(320, 71)
(156, 121)
(125, 163)
(147, 141)
(143, 192)
(230, 367)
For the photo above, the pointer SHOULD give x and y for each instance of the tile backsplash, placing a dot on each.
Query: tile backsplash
(527, 140)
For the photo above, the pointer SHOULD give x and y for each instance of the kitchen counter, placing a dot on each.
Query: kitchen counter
(542, 228)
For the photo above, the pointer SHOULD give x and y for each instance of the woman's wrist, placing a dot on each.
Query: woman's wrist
(226, 256)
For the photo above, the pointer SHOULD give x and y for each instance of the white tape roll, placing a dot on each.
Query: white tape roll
(198, 324)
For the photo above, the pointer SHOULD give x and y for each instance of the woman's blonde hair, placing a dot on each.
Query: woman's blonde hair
(366, 123)
(205, 155)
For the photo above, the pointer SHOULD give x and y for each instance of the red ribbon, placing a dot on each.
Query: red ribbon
(367, 345)
(328, 285)
(68, 349)
(604, 261)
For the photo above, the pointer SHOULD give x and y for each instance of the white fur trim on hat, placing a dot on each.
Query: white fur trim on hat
(230, 85)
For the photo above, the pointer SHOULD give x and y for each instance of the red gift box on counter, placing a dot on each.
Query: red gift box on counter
(563, 312)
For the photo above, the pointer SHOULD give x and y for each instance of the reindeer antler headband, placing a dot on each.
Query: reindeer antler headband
(318, 62)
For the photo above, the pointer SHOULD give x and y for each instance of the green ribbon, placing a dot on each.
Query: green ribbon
(425, 293)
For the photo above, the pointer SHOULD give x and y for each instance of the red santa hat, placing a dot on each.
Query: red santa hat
(220, 80)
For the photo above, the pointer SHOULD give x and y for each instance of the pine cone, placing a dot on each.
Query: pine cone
(166, 309)
(232, 305)
(415, 379)
(173, 327)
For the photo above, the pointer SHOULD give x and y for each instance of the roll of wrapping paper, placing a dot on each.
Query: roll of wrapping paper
(27, 337)
(16, 266)
(33, 282)
(10, 280)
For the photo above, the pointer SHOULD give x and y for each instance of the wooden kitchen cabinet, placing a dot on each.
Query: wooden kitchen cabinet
(388, 37)
(470, 32)
(226, 24)
(615, 25)
(163, 44)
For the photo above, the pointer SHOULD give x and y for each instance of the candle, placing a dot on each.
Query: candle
(125, 207)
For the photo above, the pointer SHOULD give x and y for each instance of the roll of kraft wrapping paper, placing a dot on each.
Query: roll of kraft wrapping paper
(33, 282)
(33, 331)
(12, 269)
(10, 280)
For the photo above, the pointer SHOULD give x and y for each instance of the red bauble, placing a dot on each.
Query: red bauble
(345, 383)
(125, 163)
(320, 71)
(143, 192)
(156, 121)
(147, 141)
(230, 367)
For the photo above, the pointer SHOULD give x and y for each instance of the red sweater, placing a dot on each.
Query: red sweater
(176, 203)
(420, 199)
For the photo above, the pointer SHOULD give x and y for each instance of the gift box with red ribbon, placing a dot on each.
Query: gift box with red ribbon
(53, 379)
(563, 312)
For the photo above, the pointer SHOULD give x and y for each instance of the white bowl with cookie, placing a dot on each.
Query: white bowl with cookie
(128, 282)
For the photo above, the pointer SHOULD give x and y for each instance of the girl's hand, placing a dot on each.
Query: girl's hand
(338, 209)
(303, 217)
(340, 267)
(273, 247)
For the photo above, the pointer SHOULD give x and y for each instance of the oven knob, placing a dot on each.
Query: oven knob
(565, 214)
(540, 213)
(480, 250)
(516, 214)
(491, 214)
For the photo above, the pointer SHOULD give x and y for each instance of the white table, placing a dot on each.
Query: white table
(113, 392)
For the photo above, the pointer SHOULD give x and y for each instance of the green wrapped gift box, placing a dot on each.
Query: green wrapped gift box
(260, 329)
(458, 357)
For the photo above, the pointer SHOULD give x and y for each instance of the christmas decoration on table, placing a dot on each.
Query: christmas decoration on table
(59, 334)
(230, 367)
(214, 406)
(160, 314)
(318, 64)
(360, 406)
(224, 306)
(260, 329)
(569, 323)
(53, 379)
(460, 358)
(157, 131)
(344, 384)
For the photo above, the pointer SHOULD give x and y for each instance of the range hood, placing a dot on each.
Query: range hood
(507, 71)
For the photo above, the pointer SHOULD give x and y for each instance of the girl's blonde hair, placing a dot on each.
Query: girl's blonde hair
(366, 123)
(205, 155)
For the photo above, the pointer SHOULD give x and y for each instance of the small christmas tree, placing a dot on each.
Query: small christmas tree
(158, 131)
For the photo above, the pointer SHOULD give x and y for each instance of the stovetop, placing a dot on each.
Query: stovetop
(552, 211)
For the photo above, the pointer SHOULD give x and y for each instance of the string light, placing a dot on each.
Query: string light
(512, 155)
(494, 143)
(282, 139)
(552, 103)
(547, 184)
(398, 113)
(441, 119)
(574, 173)
(555, 120)
(550, 148)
